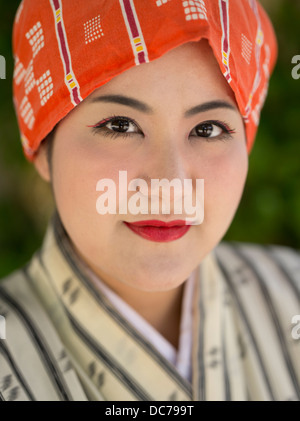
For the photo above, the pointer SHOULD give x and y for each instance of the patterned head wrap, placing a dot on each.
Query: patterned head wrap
(65, 49)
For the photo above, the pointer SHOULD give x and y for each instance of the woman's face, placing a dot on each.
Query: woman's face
(159, 133)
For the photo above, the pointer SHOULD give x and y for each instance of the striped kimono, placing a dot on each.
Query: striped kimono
(64, 340)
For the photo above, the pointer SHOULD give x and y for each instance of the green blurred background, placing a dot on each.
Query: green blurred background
(270, 208)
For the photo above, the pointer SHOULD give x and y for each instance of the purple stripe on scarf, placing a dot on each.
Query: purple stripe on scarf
(130, 17)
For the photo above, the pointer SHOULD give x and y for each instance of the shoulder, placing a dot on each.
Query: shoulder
(275, 252)
(17, 298)
(34, 364)
(264, 282)
(274, 266)
(19, 315)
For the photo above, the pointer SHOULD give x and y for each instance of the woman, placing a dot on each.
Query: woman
(123, 302)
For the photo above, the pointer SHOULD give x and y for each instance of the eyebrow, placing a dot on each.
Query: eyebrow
(141, 106)
(124, 100)
(207, 106)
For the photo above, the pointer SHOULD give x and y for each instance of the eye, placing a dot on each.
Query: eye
(216, 130)
(121, 125)
(116, 126)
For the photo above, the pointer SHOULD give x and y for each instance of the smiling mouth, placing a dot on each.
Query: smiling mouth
(159, 231)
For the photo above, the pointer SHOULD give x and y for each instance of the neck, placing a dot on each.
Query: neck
(161, 309)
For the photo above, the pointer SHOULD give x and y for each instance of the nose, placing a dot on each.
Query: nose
(167, 160)
(167, 171)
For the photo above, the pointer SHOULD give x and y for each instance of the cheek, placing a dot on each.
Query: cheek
(75, 178)
(72, 184)
(224, 184)
(76, 172)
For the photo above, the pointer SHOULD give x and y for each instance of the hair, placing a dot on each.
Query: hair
(48, 143)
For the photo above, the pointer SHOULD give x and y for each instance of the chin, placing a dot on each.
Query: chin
(158, 277)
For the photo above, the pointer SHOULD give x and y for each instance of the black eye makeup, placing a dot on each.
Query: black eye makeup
(123, 127)
(116, 126)
(213, 130)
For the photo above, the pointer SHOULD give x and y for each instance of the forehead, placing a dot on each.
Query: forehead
(188, 71)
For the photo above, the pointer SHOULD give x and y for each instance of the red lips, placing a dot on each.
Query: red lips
(159, 231)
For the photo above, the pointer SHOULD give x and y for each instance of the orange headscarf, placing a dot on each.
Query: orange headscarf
(65, 49)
